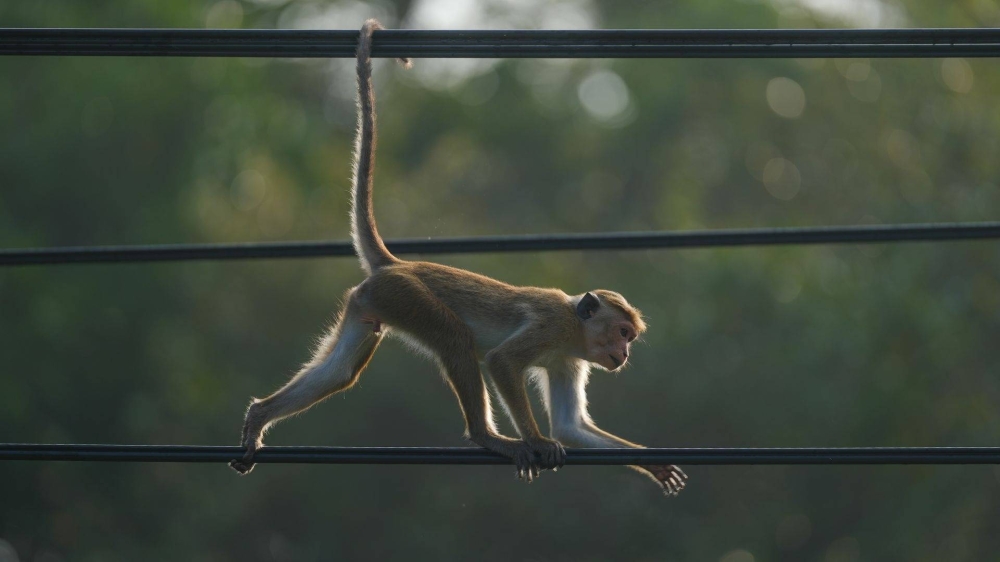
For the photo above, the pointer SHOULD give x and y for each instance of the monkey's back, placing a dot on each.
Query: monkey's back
(485, 304)
(461, 289)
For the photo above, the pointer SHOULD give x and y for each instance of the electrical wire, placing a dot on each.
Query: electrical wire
(471, 455)
(860, 234)
(610, 43)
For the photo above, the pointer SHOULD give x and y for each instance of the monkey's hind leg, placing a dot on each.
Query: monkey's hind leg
(341, 356)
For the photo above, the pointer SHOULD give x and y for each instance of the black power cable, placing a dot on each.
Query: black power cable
(470, 455)
(528, 243)
(610, 43)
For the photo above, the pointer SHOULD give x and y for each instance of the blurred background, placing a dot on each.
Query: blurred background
(849, 345)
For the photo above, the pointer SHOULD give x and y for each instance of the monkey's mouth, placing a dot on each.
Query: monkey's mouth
(615, 361)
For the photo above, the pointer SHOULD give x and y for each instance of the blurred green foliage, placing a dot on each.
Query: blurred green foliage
(812, 346)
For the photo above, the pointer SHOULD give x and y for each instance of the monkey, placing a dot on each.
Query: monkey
(468, 324)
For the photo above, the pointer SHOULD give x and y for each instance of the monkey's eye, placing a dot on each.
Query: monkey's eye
(624, 332)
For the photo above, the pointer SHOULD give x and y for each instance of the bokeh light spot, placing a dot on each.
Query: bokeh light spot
(248, 190)
(786, 97)
(226, 14)
(957, 75)
(738, 555)
(858, 71)
(846, 549)
(758, 154)
(604, 95)
(782, 179)
(903, 149)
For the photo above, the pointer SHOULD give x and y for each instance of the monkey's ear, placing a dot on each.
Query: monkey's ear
(588, 306)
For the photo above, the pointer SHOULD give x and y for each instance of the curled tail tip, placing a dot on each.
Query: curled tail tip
(372, 25)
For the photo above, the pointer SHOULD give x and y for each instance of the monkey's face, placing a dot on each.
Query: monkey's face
(608, 337)
(608, 330)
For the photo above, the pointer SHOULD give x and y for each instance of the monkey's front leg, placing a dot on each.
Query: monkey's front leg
(471, 391)
(463, 373)
(508, 376)
(571, 424)
(466, 380)
(670, 478)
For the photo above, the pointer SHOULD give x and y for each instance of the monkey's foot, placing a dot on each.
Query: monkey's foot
(246, 464)
(670, 478)
(525, 462)
(241, 466)
(531, 457)
(525, 455)
(550, 453)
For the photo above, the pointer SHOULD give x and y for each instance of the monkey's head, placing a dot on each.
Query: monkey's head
(610, 325)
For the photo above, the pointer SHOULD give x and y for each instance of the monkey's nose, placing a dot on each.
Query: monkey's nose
(625, 355)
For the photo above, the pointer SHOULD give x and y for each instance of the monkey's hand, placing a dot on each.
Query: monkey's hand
(670, 477)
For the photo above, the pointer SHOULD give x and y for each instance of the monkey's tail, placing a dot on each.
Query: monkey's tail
(367, 242)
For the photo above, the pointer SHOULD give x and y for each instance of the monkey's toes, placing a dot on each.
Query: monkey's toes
(242, 466)
(550, 453)
(527, 467)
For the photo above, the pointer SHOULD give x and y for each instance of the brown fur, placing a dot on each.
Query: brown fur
(614, 299)
(462, 319)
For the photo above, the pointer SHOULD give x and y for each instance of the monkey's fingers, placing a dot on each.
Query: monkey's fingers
(670, 489)
(670, 478)
(674, 486)
(669, 472)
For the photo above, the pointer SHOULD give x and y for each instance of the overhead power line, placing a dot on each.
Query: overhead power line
(525, 243)
(470, 455)
(654, 43)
